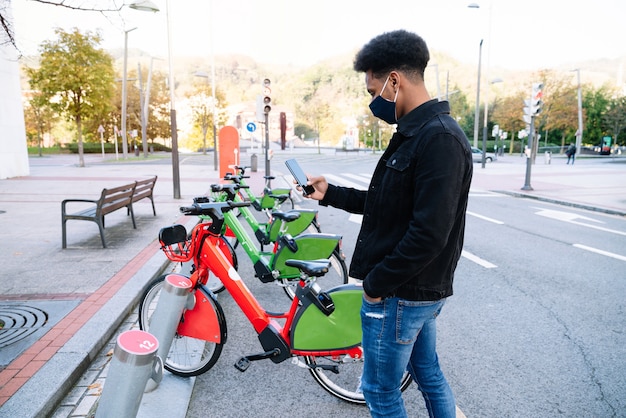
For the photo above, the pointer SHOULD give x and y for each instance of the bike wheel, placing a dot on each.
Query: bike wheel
(187, 356)
(337, 275)
(341, 377)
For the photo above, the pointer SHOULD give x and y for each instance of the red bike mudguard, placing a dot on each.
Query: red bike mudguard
(201, 322)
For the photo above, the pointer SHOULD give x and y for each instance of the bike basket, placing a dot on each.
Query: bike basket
(175, 244)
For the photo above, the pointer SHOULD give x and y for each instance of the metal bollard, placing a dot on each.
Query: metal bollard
(166, 316)
(254, 162)
(134, 362)
(548, 157)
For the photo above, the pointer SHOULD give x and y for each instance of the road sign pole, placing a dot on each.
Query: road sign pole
(529, 159)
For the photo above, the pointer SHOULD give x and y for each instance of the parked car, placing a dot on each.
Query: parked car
(477, 156)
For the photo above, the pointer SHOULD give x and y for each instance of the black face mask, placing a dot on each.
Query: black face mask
(385, 109)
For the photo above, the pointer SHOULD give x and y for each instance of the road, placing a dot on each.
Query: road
(536, 327)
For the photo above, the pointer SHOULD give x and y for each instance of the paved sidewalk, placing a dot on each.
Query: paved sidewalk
(78, 299)
(62, 306)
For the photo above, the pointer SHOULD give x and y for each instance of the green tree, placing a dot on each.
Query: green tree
(595, 104)
(202, 109)
(615, 118)
(39, 117)
(75, 77)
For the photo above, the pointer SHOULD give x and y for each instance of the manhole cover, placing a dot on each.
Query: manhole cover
(20, 321)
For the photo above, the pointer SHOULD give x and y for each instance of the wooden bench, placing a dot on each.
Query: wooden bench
(110, 201)
(144, 189)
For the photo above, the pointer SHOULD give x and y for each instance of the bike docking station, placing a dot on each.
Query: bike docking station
(134, 363)
(137, 364)
(166, 317)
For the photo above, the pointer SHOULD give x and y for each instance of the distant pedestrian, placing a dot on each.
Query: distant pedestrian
(571, 153)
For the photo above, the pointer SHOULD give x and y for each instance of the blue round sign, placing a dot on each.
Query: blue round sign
(251, 127)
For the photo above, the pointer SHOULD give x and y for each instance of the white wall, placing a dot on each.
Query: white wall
(13, 150)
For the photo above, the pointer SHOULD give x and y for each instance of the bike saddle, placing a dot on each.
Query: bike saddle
(286, 216)
(313, 268)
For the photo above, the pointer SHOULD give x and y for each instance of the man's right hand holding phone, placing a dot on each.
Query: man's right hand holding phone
(320, 185)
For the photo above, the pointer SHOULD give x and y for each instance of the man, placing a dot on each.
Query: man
(413, 224)
(571, 153)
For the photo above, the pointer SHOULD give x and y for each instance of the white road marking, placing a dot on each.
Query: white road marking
(495, 221)
(571, 218)
(601, 252)
(481, 262)
(341, 181)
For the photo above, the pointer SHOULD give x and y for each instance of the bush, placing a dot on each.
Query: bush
(96, 148)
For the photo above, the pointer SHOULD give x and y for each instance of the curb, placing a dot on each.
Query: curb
(562, 202)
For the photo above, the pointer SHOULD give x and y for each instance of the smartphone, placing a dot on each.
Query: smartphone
(298, 174)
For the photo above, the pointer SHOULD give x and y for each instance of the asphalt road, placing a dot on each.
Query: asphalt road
(535, 328)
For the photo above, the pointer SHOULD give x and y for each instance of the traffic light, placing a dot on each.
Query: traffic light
(533, 106)
(267, 99)
(264, 101)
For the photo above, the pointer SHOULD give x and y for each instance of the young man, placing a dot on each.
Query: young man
(413, 223)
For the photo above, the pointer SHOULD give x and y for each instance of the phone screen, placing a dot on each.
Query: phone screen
(298, 174)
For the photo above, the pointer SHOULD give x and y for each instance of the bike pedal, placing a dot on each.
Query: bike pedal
(242, 364)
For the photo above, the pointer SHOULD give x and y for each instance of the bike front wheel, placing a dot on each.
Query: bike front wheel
(341, 376)
(188, 356)
(337, 275)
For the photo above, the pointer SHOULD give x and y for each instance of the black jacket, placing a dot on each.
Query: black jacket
(414, 209)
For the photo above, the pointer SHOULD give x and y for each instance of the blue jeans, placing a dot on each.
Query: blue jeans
(400, 335)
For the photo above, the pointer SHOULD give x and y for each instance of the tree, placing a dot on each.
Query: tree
(203, 108)
(39, 116)
(595, 104)
(615, 117)
(560, 109)
(508, 112)
(75, 77)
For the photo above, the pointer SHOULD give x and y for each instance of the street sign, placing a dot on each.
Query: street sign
(251, 127)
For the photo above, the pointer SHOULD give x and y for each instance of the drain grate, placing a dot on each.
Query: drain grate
(27, 321)
(20, 321)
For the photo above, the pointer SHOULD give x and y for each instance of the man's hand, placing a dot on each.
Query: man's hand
(320, 185)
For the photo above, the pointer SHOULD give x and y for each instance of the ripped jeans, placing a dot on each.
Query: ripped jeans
(401, 335)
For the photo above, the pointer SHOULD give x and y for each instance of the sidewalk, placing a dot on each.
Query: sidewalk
(74, 301)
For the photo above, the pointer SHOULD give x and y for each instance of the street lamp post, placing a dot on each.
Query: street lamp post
(485, 122)
(579, 133)
(124, 134)
(144, 6)
(477, 111)
(173, 127)
(214, 108)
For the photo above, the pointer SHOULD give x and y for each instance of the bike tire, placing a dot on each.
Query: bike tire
(345, 383)
(337, 275)
(187, 356)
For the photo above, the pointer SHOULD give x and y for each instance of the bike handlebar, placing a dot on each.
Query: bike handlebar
(211, 208)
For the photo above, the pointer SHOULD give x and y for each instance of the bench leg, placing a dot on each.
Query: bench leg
(132, 215)
(100, 223)
(63, 233)
(153, 209)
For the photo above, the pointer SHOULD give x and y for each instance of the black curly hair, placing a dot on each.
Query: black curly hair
(398, 50)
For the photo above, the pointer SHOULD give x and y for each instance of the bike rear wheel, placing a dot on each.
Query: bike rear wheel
(337, 275)
(345, 383)
(187, 356)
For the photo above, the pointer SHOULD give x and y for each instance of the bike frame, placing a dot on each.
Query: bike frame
(271, 333)
(267, 263)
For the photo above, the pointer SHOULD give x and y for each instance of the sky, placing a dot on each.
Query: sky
(522, 35)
